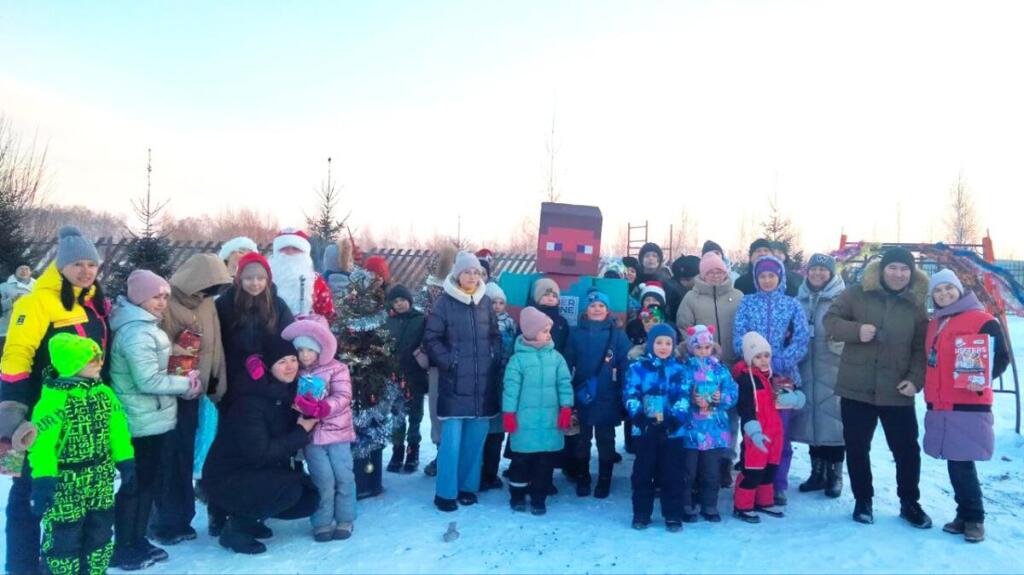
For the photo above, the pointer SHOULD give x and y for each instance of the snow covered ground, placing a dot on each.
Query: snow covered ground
(401, 532)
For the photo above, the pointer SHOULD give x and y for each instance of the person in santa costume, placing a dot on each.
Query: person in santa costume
(298, 284)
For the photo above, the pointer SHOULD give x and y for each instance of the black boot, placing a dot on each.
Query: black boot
(604, 479)
(912, 513)
(834, 479)
(431, 469)
(397, 458)
(238, 541)
(583, 478)
(217, 518)
(517, 499)
(862, 512)
(412, 458)
(816, 482)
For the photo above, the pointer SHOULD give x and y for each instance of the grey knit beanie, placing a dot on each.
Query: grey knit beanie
(72, 247)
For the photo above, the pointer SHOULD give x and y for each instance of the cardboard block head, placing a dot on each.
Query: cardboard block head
(569, 241)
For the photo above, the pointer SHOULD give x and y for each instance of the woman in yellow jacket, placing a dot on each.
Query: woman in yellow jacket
(65, 299)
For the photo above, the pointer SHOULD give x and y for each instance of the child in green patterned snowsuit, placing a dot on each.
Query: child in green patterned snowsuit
(83, 436)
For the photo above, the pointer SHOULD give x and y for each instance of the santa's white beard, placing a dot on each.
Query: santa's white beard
(294, 276)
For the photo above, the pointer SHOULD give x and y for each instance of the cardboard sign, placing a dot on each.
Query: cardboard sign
(569, 241)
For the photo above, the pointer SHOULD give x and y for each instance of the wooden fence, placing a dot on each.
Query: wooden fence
(408, 267)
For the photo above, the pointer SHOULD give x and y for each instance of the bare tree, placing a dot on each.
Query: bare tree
(684, 235)
(522, 240)
(961, 222)
(21, 176)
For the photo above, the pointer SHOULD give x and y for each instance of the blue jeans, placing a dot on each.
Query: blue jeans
(23, 530)
(330, 467)
(460, 456)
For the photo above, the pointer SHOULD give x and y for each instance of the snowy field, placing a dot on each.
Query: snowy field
(401, 531)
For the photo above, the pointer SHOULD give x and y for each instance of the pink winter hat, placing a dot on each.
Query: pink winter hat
(532, 321)
(711, 261)
(144, 284)
(312, 328)
(699, 335)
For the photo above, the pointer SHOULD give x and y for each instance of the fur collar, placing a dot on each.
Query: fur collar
(462, 297)
(871, 280)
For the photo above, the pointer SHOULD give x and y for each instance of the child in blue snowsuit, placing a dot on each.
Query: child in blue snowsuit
(658, 410)
(712, 392)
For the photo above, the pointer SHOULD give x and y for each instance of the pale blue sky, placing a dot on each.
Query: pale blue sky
(436, 108)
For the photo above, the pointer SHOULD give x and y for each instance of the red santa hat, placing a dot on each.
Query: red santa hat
(485, 254)
(652, 288)
(292, 238)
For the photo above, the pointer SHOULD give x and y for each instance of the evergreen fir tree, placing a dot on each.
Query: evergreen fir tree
(779, 228)
(366, 345)
(146, 250)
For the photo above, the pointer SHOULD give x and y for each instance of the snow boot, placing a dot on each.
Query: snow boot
(816, 482)
(956, 527)
(538, 508)
(640, 523)
(446, 505)
(324, 535)
(431, 469)
(862, 512)
(343, 531)
(253, 528)
(412, 458)
(131, 558)
(974, 532)
(770, 510)
(746, 515)
(673, 525)
(238, 541)
(780, 499)
(604, 479)
(397, 458)
(834, 479)
(173, 537)
(711, 517)
(493, 482)
(155, 553)
(517, 498)
(466, 498)
(912, 513)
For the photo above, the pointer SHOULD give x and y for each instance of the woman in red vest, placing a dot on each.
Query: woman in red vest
(958, 424)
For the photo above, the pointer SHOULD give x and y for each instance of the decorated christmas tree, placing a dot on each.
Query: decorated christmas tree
(364, 343)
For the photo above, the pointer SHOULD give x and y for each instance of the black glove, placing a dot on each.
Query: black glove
(127, 470)
(43, 489)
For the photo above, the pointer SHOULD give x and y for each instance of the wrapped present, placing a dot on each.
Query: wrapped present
(313, 385)
(189, 341)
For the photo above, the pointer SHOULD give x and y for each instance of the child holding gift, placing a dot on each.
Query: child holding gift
(658, 409)
(83, 436)
(536, 404)
(762, 432)
(712, 393)
(325, 393)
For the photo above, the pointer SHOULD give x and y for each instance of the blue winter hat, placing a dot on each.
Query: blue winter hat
(598, 296)
(72, 247)
(660, 330)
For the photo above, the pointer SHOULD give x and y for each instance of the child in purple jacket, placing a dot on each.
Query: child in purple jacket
(325, 393)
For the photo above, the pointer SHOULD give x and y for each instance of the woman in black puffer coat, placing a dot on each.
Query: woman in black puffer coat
(250, 473)
(463, 340)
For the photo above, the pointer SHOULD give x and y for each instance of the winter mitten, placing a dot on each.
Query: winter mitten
(753, 430)
(510, 423)
(43, 489)
(791, 400)
(12, 415)
(564, 418)
(24, 436)
(254, 365)
(127, 470)
(312, 408)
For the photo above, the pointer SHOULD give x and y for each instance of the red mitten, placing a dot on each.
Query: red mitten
(307, 405)
(565, 418)
(511, 425)
(254, 365)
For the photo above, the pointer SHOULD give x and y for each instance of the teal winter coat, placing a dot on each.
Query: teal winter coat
(537, 385)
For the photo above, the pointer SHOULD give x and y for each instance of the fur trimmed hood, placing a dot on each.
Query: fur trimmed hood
(871, 280)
